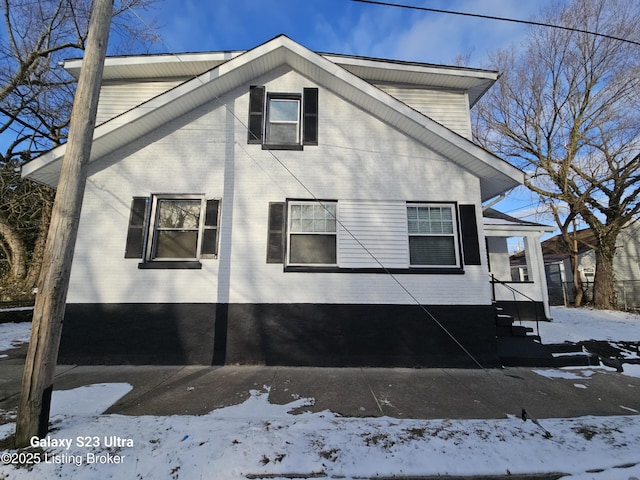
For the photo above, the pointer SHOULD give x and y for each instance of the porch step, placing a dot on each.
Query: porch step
(515, 331)
(576, 360)
(503, 320)
(524, 352)
(566, 347)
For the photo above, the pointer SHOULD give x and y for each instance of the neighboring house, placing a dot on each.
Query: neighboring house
(559, 273)
(281, 206)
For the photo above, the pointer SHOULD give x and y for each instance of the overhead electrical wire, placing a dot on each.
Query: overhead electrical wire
(493, 17)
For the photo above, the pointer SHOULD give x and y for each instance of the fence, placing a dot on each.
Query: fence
(627, 294)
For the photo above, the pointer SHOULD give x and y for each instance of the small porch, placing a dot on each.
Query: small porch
(519, 284)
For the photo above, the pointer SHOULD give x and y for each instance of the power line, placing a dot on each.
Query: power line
(502, 19)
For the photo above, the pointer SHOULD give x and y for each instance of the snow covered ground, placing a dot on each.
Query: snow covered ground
(257, 439)
(12, 335)
(576, 324)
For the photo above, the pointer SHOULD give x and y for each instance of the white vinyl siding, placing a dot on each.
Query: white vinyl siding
(375, 165)
(116, 99)
(449, 108)
(380, 231)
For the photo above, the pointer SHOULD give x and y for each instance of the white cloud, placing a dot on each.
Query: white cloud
(437, 37)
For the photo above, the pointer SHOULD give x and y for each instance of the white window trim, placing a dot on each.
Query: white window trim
(290, 233)
(268, 121)
(454, 234)
(153, 219)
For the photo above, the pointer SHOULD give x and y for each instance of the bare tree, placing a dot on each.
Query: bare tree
(36, 96)
(566, 111)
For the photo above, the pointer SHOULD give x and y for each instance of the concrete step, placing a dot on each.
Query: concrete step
(504, 320)
(566, 347)
(576, 360)
(523, 352)
(519, 331)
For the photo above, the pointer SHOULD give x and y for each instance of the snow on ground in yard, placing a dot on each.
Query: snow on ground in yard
(257, 439)
(576, 324)
(13, 335)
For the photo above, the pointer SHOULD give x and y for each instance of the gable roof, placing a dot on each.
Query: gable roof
(237, 68)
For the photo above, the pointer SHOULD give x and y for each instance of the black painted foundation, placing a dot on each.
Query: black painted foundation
(279, 334)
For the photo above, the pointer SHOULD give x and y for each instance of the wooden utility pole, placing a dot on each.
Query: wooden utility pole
(37, 380)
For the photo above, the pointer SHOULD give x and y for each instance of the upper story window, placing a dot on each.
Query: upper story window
(172, 230)
(284, 121)
(433, 238)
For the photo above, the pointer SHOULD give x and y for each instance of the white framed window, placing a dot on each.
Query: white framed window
(433, 237)
(312, 233)
(182, 227)
(283, 119)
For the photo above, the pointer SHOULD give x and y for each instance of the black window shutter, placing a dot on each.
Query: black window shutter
(137, 222)
(470, 243)
(310, 117)
(210, 234)
(256, 114)
(275, 242)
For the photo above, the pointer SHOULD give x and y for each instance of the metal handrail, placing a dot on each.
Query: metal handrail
(494, 280)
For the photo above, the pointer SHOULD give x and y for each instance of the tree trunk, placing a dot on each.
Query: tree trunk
(604, 296)
(577, 280)
(38, 250)
(16, 250)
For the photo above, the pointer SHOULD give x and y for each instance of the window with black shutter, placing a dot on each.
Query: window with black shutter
(172, 231)
(284, 121)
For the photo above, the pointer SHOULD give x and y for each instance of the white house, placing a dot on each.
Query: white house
(281, 206)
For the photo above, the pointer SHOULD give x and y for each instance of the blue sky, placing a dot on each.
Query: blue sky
(344, 26)
(348, 27)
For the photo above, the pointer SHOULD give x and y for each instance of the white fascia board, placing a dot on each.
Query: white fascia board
(137, 64)
(411, 67)
(515, 230)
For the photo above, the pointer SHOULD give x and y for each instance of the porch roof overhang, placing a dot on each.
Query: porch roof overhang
(498, 224)
(496, 175)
